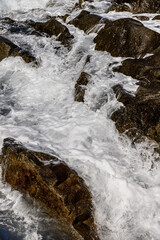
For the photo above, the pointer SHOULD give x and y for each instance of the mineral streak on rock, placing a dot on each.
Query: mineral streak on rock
(53, 184)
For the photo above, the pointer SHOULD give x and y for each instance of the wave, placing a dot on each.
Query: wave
(21, 5)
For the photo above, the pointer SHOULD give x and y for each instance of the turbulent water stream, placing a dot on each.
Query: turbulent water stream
(37, 107)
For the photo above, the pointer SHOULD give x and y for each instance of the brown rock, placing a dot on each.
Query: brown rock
(80, 87)
(142, 6)
(119, 8)
(141, 113)
(142, 18)
(53, 184)
(7, 48)
(53, 27)
(127, 38)
(145, 69)
(156, 17)
(86, 21)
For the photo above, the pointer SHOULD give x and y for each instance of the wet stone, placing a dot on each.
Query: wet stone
(142, 18)
(53, 27)
(7, 48)
(127, 38)
(156, 17)
(119, 8)
(86, 21)
(56, 187)
(143, 6)
(146, 69)
(80, 87)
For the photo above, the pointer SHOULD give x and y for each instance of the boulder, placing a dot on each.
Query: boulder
(58, 188)
(86, 21)
(156, 17)
(127, 38)
(142, 18)
(7, 48)
(119, 8)
(80, 87)
(142, 6)
(140, 114)
(53, 27)
(145, 69)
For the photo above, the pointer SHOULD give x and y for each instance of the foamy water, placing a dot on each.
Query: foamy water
(43, 115)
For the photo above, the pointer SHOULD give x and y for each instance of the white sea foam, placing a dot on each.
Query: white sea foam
(44, 116)
(21, 5)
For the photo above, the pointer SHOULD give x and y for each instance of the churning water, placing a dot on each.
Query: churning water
(37, 107)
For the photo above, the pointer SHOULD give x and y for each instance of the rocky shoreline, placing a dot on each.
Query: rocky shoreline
(55, 186)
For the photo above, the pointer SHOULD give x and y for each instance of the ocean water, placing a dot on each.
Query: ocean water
(41, 112)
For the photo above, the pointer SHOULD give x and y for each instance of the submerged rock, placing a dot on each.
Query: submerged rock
(7, 48)
(127, 38)
(53, 184)
(53, 27)
(86, 21)
(80, 87)
(12, 26)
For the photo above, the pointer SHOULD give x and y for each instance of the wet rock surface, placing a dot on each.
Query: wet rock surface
(53, 184)
(145, 69)
(142, 6)
(53, 27)
(127, 38)
(80, 86)
(140, 113)
(86, 21)
(142, 18)
(7, 48)
(156, 17)
(119, 8)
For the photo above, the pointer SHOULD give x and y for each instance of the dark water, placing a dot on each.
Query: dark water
(6, 235)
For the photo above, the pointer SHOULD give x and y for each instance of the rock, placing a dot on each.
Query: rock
(8, 20)
(119, 8)
(7, 48)
(53, 27)
(156, 17)
(17, 27)
(53, 184)
(80, 87)
(142, 18)
(145, 69)
(140, 114)
(142, 6)
(86, 21)
(64, 18)
(127, 38)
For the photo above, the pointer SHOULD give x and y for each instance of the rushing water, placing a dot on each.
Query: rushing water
(37, 108)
